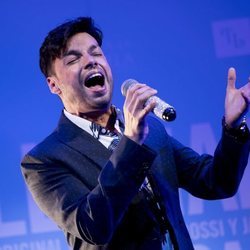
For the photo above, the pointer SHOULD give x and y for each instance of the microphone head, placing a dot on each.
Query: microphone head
(126, 84)
(169, 114)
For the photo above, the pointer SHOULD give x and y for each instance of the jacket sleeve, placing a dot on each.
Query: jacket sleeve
(91, 215)
(212, 177)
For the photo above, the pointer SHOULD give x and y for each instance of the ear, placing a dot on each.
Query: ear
(53, 85)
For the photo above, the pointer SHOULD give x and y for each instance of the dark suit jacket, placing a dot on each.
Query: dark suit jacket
(92, 195)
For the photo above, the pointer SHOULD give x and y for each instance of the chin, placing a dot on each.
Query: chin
(104, 101)
(101, 105)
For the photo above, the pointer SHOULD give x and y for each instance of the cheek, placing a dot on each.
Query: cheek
(109, 72)
(106, 65)
(69, 79)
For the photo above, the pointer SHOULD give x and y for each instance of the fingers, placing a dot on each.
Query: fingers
(237, 101)
(149, 107)
(231, 79)
(135, 111)
(136, 97)
(245, 91)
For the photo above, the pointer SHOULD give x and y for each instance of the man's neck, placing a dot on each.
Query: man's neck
(98, 118)
(104, 119)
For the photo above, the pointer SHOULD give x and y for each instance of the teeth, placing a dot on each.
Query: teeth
(94, 79)
(95, 75)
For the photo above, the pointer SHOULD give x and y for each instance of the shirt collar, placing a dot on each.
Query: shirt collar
(88, 125)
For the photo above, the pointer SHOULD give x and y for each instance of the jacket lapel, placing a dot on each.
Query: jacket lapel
(81, 141)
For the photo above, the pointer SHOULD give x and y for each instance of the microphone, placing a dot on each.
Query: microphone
(162, 109)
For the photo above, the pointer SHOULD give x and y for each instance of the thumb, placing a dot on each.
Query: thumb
(231, 78)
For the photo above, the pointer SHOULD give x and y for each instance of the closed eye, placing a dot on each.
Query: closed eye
(95, 51)
(71, 56)
(97, 54)
(72, 60)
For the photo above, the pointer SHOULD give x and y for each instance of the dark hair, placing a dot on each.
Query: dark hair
(55, 43)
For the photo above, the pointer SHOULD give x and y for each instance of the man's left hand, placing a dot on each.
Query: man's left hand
(237, 100)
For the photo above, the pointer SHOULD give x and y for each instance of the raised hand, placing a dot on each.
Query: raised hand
(237, 100)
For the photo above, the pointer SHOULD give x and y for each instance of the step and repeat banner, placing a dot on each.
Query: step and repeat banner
(183, 49)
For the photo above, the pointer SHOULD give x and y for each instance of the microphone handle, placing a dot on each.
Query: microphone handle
(162, 109)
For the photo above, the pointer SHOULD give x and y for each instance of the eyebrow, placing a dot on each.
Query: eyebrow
(78, 53)
(71, 52)
(93, 47)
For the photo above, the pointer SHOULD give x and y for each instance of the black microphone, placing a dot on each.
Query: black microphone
(162, 109)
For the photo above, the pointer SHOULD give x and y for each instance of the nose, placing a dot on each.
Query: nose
(90, 62)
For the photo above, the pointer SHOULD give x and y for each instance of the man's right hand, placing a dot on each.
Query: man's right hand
(135, 111)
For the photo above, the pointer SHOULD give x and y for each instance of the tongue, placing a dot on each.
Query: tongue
(96, 88)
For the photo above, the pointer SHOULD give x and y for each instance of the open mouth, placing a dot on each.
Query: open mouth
(96, 79)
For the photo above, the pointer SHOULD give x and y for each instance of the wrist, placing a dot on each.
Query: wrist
(134, 138)
(239, 132)
(234, 123)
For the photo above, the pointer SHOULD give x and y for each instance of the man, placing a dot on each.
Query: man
(122, 193)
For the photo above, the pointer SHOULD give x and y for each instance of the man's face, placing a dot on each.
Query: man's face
(82, 76)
